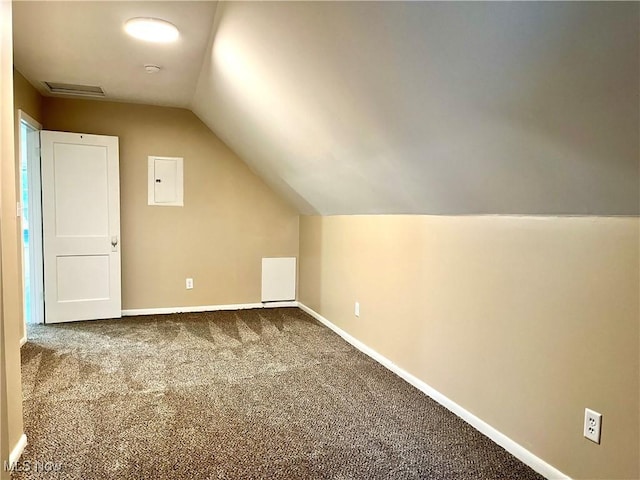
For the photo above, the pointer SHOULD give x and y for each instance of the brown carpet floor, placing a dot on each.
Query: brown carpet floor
(266, 393)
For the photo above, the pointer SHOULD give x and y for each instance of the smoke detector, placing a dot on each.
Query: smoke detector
(149, 68)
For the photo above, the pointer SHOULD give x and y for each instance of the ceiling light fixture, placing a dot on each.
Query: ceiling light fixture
(152, 30)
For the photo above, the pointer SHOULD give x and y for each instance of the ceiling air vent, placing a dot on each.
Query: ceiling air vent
(71, 89)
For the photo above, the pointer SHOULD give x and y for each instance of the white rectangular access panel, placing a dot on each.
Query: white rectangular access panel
(165, 184)
(81, 226)
(278, 279)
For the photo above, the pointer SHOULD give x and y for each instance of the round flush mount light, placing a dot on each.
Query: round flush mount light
(152, 30)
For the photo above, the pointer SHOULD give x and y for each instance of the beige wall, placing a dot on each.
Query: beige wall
(523, 321)
(230, 218)
(26, 97)
(11, 427)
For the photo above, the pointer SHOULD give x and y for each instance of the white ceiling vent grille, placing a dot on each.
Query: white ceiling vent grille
(71, 89)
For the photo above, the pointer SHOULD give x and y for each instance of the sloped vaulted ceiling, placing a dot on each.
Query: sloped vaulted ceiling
(436, 108)
(417, 107)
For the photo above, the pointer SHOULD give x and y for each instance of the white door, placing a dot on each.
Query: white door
(81, 226)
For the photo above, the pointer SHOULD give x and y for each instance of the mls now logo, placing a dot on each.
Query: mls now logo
(35, 466)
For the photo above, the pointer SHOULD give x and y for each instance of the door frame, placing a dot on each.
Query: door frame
(36, 265)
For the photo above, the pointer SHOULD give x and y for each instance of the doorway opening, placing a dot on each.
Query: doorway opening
(30, 209)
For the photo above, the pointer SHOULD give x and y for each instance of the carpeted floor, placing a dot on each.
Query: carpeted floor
(266, 393)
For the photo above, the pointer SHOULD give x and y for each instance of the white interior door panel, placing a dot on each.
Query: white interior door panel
(81, 226)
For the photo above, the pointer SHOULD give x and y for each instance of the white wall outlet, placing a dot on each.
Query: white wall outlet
(592, 425)
(356, 310)
(189, 283)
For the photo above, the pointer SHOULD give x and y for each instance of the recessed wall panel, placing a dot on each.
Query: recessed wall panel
(81, 190)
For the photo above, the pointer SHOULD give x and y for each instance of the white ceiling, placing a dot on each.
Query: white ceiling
(417, 107)
(84, 43)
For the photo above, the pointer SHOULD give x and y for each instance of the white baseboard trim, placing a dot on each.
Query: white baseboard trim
(517, 450)
(23, 340)
(16, 453)
(292, 303)
(205, 308)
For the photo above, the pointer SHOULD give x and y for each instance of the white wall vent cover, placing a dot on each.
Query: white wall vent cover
(278, 279)
(72, 89)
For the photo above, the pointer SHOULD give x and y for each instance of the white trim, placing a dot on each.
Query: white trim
(16, 453)
(291, 303)
(517, 450)
(35, 212)
(205, 308)
(25, 117)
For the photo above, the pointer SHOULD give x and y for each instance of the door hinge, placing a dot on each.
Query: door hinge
(18, 210)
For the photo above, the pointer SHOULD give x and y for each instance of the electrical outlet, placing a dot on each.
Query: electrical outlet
(592, 425)
(357, 309)
(189, 283)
